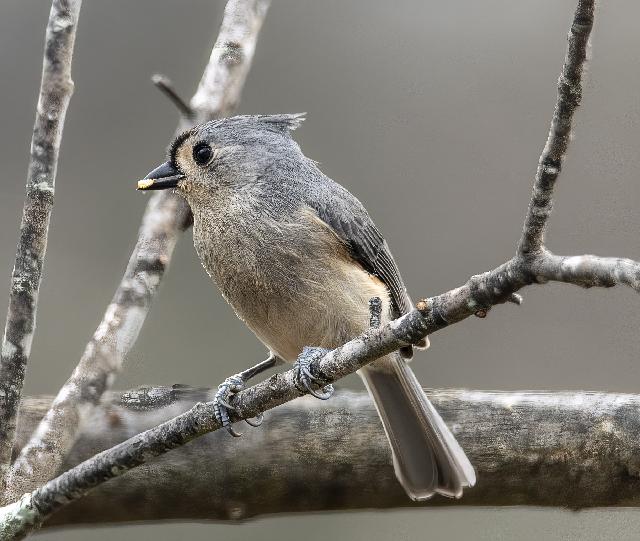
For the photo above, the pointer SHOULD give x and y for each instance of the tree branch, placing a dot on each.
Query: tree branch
(221, 85)
(550, 163)
(165, 86)
(562, 449)
(104, 354)
(56, 88)
(166, 216)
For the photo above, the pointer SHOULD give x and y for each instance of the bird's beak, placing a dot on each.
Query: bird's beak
(161, 178)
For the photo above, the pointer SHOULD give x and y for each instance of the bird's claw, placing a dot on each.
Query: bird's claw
(304, 376)
(226, 390)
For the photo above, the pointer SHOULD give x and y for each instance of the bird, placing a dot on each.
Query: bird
(298, 258)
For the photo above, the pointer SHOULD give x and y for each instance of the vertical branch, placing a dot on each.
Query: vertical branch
(550, 163)
(56, 88)
(166, 216)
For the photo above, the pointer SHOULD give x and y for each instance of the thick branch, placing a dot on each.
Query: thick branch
(564, 449)
(200, 419)
(166, 216)
(56, 88)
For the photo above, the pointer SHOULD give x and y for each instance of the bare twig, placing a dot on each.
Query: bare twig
(166, 216)
(165, 86)
(563, 449)
(550, 163)
(56, 88)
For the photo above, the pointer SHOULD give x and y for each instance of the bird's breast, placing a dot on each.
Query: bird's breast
(291, 280)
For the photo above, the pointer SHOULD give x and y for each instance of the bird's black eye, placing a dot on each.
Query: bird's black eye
(202, 153)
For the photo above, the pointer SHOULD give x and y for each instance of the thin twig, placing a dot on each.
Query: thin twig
(166, 216)
(550, 163)
(164, 84)
(375, 312)
(56, 88)
(104, 354)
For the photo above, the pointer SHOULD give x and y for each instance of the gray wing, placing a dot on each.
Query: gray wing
(341, 210)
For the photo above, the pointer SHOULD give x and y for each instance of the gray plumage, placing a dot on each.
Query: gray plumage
(298, 257)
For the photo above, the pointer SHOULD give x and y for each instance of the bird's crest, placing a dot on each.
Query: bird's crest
(283, 122)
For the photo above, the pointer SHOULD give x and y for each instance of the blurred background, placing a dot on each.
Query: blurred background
(434, 114)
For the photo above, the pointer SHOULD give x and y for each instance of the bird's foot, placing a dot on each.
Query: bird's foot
(304, 372)
(222, 407)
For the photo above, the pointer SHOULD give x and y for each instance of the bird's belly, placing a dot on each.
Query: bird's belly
(325, 312)
(301, 288)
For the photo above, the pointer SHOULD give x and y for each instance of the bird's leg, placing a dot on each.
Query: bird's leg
(233, 385)
(304, 374)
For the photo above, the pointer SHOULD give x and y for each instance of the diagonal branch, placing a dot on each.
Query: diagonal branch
(21, 517)
(219, 91)
(56, 88)
(165, 86)
(166, 216)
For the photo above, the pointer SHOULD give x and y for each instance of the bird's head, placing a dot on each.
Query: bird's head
(226, 152)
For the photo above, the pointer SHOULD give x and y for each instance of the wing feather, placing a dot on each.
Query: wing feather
(349, 219)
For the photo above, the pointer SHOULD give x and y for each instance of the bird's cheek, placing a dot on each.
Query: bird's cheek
(186, 185)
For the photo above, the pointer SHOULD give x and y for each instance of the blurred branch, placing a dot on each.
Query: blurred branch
(56, 88)
(165, 86)
(562, 449)
(166, 216)
(219, 91)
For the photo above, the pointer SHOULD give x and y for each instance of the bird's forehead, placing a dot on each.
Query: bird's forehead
(215, 135)
(224, 133)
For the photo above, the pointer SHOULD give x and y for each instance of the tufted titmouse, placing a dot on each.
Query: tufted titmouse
(298, 258)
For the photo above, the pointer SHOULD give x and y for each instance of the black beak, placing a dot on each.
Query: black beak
(161, 178)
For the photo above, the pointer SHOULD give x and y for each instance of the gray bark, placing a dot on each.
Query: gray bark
(166, 216)
(563, 449)
(550, 163)
(56, 88)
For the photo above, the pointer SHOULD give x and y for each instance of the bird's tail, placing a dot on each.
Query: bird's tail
(426, 457)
